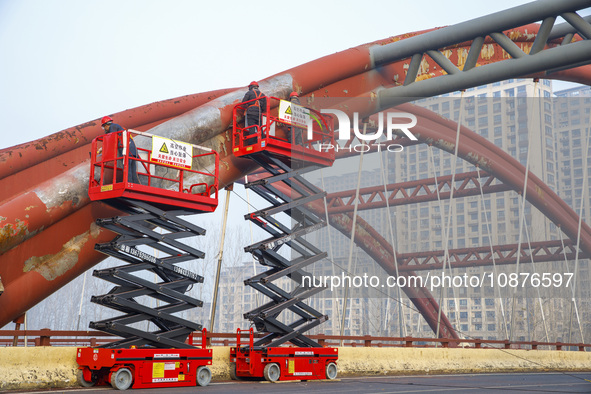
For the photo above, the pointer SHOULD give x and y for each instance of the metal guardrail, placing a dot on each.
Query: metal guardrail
(47, 337)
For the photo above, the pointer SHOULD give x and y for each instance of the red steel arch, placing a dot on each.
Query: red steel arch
(47, 227)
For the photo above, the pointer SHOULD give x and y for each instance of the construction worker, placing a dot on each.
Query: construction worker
(296, 135)
(110, 127)
(254, 111)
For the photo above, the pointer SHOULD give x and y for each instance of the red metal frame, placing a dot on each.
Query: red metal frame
(295, 363)
(110, 161)
(151, 368)
(271, 135)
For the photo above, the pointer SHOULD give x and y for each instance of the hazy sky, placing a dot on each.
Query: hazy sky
(66, 62)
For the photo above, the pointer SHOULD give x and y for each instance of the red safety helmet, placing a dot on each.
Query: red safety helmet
(294, 94)
(254, 83)
(105, 119)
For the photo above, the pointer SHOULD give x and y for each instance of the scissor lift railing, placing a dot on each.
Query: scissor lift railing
(287, 191)
(272, 134)
(166, 182)
(151, 239)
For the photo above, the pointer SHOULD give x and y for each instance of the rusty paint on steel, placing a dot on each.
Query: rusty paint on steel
(52, 266)
(541, 251)
(413, 192)
(22, 156)
(29, 213)
(41, 265)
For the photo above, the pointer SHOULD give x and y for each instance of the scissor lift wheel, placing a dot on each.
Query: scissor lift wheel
(331, 371)
(122, 379)
(83, 382)
(203, 376)
(272, 372)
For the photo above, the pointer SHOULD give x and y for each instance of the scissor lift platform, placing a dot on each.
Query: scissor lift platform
(151, 179)
(166, 182)
(272, 135)
(278, 145)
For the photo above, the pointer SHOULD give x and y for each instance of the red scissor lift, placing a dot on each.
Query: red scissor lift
(155, 185)
(281, 351)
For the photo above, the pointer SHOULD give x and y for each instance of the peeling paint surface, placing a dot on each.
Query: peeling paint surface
(71, 188)
(11, 233)
(462, 56)
(487, 51)
(52, 266)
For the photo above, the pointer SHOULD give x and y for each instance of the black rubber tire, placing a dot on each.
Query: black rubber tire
(272, 372)
(83, 382)
(122, 379)
(233, 375)
(203, 376)
(331, 371)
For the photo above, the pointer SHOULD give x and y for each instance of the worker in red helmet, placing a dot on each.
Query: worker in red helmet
(296, 135)
(110, 127)
(254, 111)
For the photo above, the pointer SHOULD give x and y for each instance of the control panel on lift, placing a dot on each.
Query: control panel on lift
(284, 129)
(154, 169)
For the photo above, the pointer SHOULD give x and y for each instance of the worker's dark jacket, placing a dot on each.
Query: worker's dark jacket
(115, 128)
(256, 107)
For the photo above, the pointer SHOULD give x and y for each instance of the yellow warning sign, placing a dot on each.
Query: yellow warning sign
(293, 114)
(291, 366)
(171, 152)
(158, 370)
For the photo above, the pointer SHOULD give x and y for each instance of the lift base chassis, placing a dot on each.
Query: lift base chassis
(150, 368)
(294, 363)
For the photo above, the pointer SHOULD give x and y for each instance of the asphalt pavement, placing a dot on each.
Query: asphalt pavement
(481, 383)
